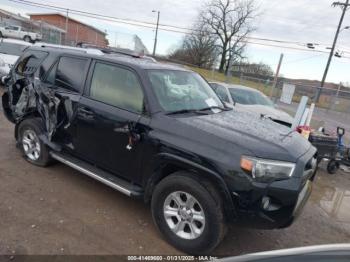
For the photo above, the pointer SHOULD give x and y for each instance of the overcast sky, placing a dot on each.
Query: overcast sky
(291, 20)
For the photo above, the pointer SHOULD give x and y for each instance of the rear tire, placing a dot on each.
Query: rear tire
(189, 216)
(33, 149)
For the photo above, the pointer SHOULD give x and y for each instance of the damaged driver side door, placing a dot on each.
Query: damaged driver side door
(66, 80)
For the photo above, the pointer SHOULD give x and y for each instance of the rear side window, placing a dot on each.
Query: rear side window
(117, 86)
(68, 73)
(222, 93)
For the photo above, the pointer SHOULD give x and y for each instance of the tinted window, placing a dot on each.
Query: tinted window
(52, 74)
(10, 27)
(70, 73)
(117, 86)
(12, 49)
(31, 61)
(249, 97)
(221, 92)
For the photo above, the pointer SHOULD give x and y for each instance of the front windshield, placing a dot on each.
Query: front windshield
(12, 49)
(181, 90)
(248, 97)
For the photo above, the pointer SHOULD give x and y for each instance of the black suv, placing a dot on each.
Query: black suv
(159, 132)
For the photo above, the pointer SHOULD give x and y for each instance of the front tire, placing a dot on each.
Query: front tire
(188, 214)
(27, 38)
(333, 167)
(33, 149)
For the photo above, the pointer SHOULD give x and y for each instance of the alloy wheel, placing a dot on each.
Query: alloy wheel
(184, 215)
(31, 145)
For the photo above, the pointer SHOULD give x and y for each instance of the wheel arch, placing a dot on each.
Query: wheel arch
(31, 115)
(169, 164)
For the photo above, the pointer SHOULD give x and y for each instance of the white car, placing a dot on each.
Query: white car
(10, 50)
(16, 32)
(252, 100)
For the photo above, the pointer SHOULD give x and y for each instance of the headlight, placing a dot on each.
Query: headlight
(267, 170)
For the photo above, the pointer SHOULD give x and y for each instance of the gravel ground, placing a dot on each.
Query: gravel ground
(57, 210)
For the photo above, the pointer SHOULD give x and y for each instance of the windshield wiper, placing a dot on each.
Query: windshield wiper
(186, 111)
(197, 111)
(214, 107)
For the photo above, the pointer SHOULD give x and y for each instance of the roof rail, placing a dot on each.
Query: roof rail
(93, 51)
(116, 50)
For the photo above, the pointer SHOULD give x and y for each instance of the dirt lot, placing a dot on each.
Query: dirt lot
(60, 211)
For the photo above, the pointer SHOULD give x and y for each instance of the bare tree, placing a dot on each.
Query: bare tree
(256, 69)
(199, 48)
(231, 22)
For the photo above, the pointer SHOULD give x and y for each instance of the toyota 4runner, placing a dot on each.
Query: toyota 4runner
(160, 133)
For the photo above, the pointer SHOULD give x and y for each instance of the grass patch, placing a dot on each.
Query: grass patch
(215, 76)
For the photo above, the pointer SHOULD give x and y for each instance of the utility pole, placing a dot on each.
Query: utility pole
(66, 38)
(156, 37)
(276, 77)
(345, 7)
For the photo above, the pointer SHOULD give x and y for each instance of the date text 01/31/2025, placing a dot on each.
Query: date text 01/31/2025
(171, 258)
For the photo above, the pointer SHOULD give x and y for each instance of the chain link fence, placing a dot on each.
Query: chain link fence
(333, 99)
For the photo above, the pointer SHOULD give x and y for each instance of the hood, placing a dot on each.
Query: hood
(268, 111)
(259, 135)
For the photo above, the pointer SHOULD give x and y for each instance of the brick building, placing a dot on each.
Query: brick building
(76, 30)
(49, 32)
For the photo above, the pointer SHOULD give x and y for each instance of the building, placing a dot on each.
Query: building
(77, 31)
(50, 33)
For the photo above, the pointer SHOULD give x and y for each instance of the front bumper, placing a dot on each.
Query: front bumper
(278, 204)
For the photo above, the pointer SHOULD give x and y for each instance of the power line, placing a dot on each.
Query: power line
(140, 23)
(149, 25)
(345, 6)
(303, 59)
(286, 47)
(57, 8)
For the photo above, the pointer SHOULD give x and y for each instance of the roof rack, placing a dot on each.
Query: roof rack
(117, 51)
(93, 51)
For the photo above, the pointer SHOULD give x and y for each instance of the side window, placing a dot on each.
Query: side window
(68, 73)
(117, 86)
(221, 92)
